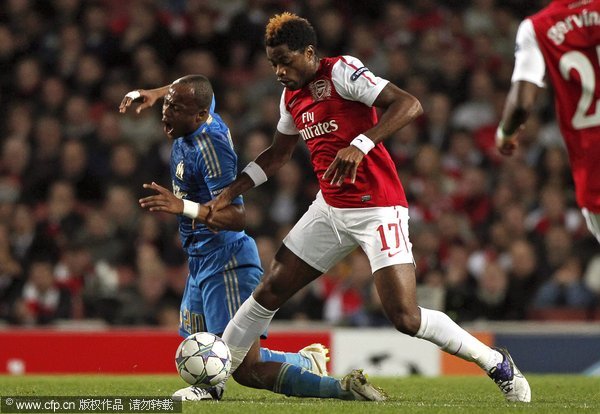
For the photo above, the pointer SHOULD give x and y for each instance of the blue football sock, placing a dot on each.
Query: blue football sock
(296, 359)
(298, 382)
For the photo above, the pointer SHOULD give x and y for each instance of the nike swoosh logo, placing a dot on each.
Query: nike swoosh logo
(393, 254)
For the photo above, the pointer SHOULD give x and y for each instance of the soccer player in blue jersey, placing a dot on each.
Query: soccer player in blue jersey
(224, 267)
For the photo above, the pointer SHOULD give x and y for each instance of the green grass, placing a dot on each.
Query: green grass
(550, 393)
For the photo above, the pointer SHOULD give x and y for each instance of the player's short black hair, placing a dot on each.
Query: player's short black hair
(294, 31)
(203, 91)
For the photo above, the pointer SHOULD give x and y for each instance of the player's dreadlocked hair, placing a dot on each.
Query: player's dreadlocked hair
(294, 31)
(203, 91)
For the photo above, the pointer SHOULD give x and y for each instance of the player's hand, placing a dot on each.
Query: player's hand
(164, 201)
(344, 165)
(147, 98)
(219, 202)
(216, 204)
(507, 144)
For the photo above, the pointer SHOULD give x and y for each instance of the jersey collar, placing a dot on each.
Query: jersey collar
(201, 129)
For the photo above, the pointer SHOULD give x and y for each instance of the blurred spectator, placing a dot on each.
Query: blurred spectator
(42, 300)
(364, 46)
(47, 148)
(147, 302)
(120, 206)
(565, 288)
(16, 154)
(553, 211)
(524, 279)
(125, 169)
(74, 168)
(460, 285)
(557, 249)
(478, 110)
(394, 27)
(11, 274)
(23, 243)
(437, 129)
(143, 26)
(99, 41)
(554, 170)
(99, 234)
(491, 293)
(479, 17)
(60, 218)
(472, 197)
(19, 121)
(28, 79)
(332, 32)
(53, 96)
(290, 201)
(345, 287)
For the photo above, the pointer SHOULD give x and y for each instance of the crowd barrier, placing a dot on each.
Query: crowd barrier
(538, 348)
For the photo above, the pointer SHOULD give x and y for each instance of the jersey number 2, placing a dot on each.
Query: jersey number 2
(578, 61)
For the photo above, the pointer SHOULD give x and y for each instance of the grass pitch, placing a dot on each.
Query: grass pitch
(550, 394)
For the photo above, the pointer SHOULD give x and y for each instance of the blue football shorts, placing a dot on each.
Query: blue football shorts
(218, 283)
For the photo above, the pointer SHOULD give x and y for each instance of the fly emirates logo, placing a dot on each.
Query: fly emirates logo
(318, 129)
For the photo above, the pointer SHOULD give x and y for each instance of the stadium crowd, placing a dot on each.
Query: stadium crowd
(493, 238)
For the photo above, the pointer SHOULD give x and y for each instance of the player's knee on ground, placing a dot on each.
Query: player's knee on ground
(406, 322)
(248, 375)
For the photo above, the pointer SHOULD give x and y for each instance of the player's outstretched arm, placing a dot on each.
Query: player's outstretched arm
(519, 103)
(231, 218)
(257, 172)
(148, 98)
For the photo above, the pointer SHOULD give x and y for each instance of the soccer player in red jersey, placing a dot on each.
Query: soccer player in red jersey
(562, 40)
(330, 104)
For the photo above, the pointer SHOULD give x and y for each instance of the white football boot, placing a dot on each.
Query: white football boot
(193, 393)
(362, 390)
(509, 379)
(317, 354)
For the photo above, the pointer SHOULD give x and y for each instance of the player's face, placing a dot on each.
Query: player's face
(294, 68)
(180, 113)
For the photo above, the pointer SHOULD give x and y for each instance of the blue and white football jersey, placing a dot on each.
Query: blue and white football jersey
(202, 164)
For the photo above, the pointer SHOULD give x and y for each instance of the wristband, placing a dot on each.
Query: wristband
(363, 143)
(256, 173)
(133, 95)
(190, 209)
(501, 136)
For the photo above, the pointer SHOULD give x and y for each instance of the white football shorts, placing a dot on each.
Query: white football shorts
(325, 235)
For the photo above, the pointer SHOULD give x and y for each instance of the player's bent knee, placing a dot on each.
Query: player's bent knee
(405, 322)
(245, 375)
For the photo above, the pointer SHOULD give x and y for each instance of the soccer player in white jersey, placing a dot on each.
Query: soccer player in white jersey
(563, 41)
(330, 104)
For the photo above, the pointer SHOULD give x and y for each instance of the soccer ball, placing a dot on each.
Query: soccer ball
(203, 360)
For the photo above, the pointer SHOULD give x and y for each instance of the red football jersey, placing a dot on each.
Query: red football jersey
(331, 111)
(568, 37)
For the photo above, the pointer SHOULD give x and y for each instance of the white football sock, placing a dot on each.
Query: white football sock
(248, 323)
(438, 328)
